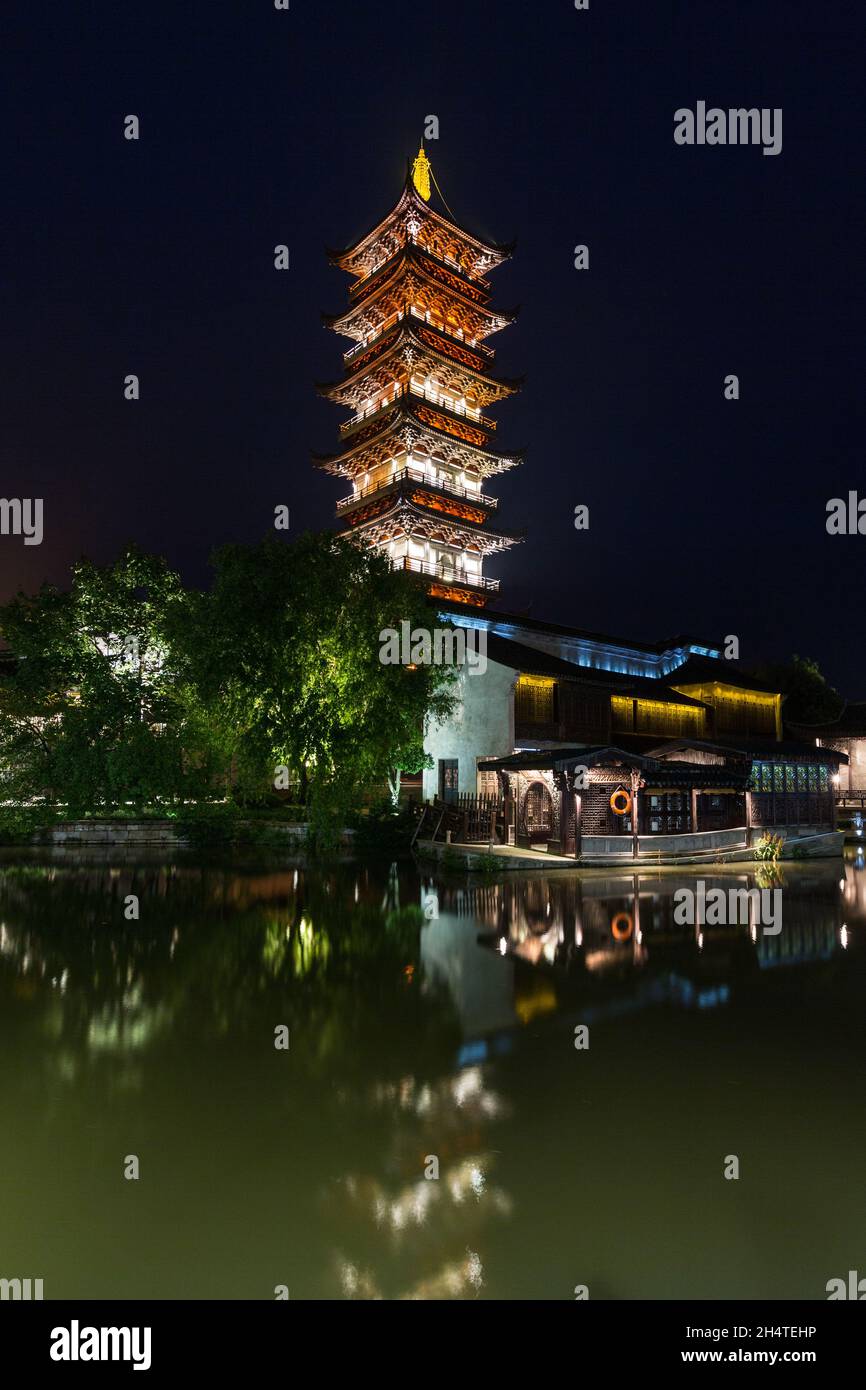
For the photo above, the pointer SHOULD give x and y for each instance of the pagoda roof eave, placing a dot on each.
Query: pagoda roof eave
(498, 251)
(505, 320)
(335, 464)
(491, 541)
(508, 385)
(501, 459)
(504, 386)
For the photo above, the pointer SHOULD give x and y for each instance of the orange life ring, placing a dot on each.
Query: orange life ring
(617, 809)
(621, 933)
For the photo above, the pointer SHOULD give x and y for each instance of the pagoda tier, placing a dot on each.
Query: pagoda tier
(402, 439)
(439, 548)
(412, 351)
(414, 282)
(418, 379)
(414, 222)
(439, 492)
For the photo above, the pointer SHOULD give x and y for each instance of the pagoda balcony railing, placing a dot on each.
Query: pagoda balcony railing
(447, 573)
(397, 317)
(435, 397)
(417, 475)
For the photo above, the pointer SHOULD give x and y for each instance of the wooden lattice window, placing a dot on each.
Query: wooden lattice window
(533, 701)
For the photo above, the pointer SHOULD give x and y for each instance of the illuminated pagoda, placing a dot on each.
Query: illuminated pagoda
(417, 448)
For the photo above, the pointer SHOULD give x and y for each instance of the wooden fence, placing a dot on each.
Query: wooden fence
(471, 818)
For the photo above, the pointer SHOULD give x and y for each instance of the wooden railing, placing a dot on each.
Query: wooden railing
(434, 397)
(471, 818)
(417, 475)
(450, 576)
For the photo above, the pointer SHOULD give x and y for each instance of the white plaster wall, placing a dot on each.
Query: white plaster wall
(856, 751)
(482, 726)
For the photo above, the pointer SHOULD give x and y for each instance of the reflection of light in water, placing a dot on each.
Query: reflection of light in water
(466, 1085)
(700, 941)
(452, 1281)
(415, 1204)
(843, 937)
(503, 946)
(465, 1090)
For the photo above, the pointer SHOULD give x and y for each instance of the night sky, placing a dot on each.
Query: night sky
(261, 127)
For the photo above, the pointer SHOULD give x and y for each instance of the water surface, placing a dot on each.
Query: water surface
(429, 1018)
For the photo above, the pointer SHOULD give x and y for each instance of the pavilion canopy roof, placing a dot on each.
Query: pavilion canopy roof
(565, 759)
(655, 773)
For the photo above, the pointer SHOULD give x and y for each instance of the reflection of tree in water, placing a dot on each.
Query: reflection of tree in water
(121, 1014)
(218, 954)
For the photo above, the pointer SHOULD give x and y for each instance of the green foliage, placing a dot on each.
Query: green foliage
(284, 657)
(91, 704)
(808, 696)
(383, 831)
(129, 691)
(18, 824)
(451, 859)
(769, 847)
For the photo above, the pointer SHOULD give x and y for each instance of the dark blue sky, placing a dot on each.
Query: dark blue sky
(556, 127)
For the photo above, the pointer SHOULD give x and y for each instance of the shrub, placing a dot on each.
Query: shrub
(769, 847)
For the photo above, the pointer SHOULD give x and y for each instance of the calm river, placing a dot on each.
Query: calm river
(430, 1027)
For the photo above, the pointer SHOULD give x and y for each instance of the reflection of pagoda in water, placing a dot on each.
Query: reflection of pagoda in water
(405, 1221)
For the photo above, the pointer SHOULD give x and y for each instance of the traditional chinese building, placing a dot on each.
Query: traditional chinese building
(846, 734)
(418, 448)
(681, 751)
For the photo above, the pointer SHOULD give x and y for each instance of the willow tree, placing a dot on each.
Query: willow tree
(285, 653)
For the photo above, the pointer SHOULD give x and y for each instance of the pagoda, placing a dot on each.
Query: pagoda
(417, 449)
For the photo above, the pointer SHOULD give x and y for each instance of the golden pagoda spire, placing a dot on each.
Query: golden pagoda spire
(421, 174)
